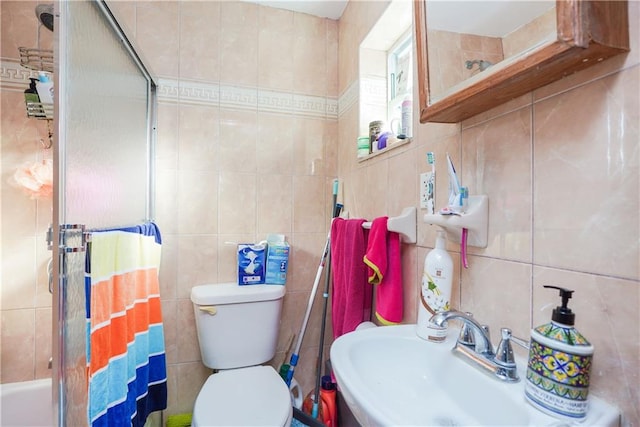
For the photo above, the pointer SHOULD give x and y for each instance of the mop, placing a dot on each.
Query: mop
(293, 362)
(327, 280)
(295, 355)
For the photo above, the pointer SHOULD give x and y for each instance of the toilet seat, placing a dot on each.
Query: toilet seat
(254, 396)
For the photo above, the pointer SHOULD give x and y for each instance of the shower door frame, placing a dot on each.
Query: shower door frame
(70, 239)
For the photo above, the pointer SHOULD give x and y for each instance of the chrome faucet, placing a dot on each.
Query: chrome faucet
(474, 346)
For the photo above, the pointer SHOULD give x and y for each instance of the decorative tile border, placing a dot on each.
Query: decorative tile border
(246, 98)
(349, 98)
(15, 77)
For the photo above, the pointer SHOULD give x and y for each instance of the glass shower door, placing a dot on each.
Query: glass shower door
(105, 111)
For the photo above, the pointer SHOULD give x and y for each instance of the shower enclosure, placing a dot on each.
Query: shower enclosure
(103, 170)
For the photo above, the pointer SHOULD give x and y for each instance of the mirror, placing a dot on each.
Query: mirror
(475, 55)
(468, 38)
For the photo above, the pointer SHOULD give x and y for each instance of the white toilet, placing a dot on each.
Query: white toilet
(238, 330)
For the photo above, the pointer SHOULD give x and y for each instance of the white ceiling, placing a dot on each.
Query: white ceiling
(482, 17)
(323, 8)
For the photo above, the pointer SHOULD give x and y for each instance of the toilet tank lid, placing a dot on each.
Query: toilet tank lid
(232, 293)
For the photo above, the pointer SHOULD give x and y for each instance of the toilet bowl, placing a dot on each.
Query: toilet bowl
(238, 330)
(255, 396)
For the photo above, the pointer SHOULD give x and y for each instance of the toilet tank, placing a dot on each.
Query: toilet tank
(237, 325)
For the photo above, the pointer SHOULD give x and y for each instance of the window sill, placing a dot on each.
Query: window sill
(400, 143)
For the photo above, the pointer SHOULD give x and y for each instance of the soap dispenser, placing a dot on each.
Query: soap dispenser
(31, 98)
(31, 94)
(435, 292)
(559, 365)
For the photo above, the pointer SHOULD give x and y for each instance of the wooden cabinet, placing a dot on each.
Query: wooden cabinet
(587, 33)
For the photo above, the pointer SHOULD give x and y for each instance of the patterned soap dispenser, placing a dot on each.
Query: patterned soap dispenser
(559, 365)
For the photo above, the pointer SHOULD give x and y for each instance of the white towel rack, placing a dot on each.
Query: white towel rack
(405, 224)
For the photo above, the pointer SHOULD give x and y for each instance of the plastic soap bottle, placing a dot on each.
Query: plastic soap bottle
(559, 365)
(435, 291)
(45, 88)
(31, 94)
(31, 97)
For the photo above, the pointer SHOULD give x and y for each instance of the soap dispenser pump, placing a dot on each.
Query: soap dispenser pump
(559, 365)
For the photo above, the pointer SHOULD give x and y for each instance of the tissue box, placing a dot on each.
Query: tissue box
(251, 263)
(277, 259)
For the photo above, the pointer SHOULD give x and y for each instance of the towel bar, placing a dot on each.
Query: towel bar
(405, 224)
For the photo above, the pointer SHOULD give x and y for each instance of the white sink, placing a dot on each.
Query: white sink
(391, 377)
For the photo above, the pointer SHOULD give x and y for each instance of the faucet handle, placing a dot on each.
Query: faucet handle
(522, 343)
(504, 352)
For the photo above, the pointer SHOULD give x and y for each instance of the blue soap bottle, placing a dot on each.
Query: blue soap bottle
(559, 365)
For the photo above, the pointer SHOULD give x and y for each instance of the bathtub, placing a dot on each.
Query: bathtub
(26, 404)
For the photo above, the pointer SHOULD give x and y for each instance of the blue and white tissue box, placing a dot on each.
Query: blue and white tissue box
(252, 263)
(277, 259)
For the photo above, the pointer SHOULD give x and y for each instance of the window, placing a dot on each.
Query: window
(385, 84)
(400, 82)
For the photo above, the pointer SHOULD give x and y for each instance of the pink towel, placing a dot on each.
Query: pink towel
(350, 296)
(385, 270)
(376, 256)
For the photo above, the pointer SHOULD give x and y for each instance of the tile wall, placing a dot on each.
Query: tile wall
(25, 301)
(561, 167)
(247, 125)
(244, 148)
(247, 117)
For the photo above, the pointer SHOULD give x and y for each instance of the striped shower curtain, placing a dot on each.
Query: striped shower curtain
(125, 339)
